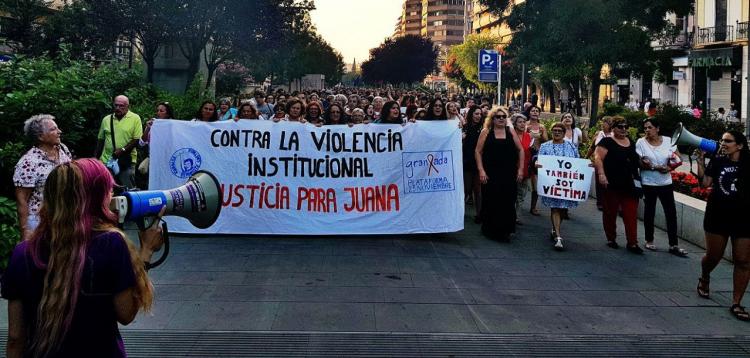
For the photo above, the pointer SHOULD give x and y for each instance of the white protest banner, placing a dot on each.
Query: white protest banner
(564, 177)
(292, 178)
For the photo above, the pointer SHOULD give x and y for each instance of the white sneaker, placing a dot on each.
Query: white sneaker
(558, 243)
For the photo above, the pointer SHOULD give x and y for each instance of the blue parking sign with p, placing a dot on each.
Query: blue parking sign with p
(489, 61)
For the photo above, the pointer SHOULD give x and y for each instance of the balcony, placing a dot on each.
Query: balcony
(742, 30)
(682, 41)
(711, 35)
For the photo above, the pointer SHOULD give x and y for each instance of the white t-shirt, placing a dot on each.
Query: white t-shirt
(577, 134)
(658, 156)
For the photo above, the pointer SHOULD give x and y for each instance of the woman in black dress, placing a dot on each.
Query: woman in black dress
(499, 156)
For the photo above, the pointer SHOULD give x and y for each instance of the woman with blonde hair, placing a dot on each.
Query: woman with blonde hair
(499, 157)
(77, 276)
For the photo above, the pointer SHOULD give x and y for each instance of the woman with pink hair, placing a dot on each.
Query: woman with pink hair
(77, 276)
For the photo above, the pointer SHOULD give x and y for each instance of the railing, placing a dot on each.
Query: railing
(742, 30)
(681, 41)
(709, 35)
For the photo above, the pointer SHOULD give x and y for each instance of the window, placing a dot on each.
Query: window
(446, 12)
(445, 2)
(446, 23)
(123, 47)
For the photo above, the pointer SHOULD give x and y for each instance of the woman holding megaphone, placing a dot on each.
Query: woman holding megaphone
(728, 174)
(78, 276)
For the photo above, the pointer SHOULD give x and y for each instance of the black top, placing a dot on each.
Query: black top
(469, 145)
(382, 120)
(725, 181)
(620, 165)
(108, 270)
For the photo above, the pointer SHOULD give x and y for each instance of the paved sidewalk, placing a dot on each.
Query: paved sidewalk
(450, 283)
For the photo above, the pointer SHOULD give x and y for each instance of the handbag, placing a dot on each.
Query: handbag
(123, 162)
(674, 161)
(143, 167)
(637, 189)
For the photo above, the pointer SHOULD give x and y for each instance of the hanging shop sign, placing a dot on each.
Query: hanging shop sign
(724, 57)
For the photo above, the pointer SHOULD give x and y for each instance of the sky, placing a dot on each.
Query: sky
(353, 27)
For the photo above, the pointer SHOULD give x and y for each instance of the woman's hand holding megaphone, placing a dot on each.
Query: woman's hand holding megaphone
(699, 154)
(152, 238)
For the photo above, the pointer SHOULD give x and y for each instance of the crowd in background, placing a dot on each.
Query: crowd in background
(63, 203)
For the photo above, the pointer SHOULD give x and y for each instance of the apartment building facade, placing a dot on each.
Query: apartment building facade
(710, 60)
(718, 62)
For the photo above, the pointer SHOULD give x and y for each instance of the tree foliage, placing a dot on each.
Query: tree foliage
(466, 57)
(406, 59)
(553, 34)
(270, 37)
(454, 72)
(22, 22)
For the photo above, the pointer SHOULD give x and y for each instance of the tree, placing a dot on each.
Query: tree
(231, 78)
(454, 73)
(553, 34)
(406, 59)
(317, 56)
(466, 57)
(218, 31)
(23, 22)
(89, 32)
(146, 22)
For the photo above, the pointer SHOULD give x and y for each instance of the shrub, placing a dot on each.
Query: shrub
(669, 116)
(10, 235)
(79, 94)
(611, 109)
(144, 100)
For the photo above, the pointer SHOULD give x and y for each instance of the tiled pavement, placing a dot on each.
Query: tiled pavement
(448, 283)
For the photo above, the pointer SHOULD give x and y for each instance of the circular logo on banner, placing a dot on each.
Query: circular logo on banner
(185, 162)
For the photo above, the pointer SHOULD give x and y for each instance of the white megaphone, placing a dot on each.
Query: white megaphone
(198, 201)
(682, 136)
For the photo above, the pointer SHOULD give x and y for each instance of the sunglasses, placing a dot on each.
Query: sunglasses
(558, 131)
(501, 117)
(622, 126)
(727, 141)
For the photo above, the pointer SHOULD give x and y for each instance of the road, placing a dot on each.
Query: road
(435, 295)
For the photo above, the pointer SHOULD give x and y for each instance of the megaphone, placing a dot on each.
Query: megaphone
(198, 201)
(683, 136)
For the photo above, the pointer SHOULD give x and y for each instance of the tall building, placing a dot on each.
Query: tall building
(485, 22)
(410, 22)
(443, 21)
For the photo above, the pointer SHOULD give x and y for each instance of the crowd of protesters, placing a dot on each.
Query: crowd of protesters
(63, 203)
